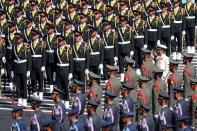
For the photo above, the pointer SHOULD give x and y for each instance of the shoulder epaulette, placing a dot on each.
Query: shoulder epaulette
(26, 45)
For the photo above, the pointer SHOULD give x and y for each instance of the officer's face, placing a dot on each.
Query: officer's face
(194, 86)
(13, 114)
(122, 91)
(77, 38)
(43, 19)
(35, 37)
(2, 17)
(93, 34)
(53, 96)
(97, 15)
(71, 9)
(184, 60)
(106, 99)
(12, 29)
(124, 118)
(106, 27)
(19, 14)
(19, 40)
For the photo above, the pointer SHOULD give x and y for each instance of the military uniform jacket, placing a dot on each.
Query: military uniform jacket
(165, 117)
(9, 45)
(181, 108)
(28, 34)
(154, 28)
(50, 12)
(81, 56)
(175, 80)
(69, 36)
(110, 44)
(125, 40)
(127, 104)
(20, 22)
(79, 102)
(64, 60)
(178, 20)
(21, 59)
(112, 19)
(2, 50)
(77, 126)
(42, 28)
(95, 93)
(73, 17)
(166, 25)
(58, 115)
(111, 114)
(96, 51)
(140, 33)
(113, 85)
(38, 54)
(190, 15)
(93, 123)
(98, 24)
(147, 124)
(59, 24)
(19, 125)
(51, 44)
(147, 69)
(4, 27)
(11, 11)
(144, 96)
(36, 121)
(84, 29)
(33, 15)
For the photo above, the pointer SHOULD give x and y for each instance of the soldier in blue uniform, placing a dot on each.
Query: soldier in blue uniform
(128, 121)
(181, 107)
(92, 121)
(75, 125)
(48, 124)
(165, 115)
(183, 123)
(19, 124)
(111, 111)
(58, 113)
(146, 122)
(36, 119)
(79, 100)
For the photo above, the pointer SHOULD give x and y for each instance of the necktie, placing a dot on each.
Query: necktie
(188, 6)
(28, 31)
(97, 23)
(77, 46)
(35, 43)
(61, 50)
(12, 36)
(123, 30)
(51, 38)
(176, 10)
(72, 16)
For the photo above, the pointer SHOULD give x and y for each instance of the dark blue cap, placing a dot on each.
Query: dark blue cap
(104, 123)
(35, 100)
(182, 117)
(126, 85)
(178, 89)
(47, 121)
(126, 113)
(72, 111)
(57, 90)
(110, 94)
(93, 103)
(164, 95)
(78, 82)
(17, 107)
(145, 106)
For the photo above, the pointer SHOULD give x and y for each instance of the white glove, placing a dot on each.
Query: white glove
(86, 71)
(131, 53)
(43, 68)
(101, 66)
(4, 60)
(172, 37)
(195, 27)
(183, 32)
(2, 71)
(158, 42)
(156, 116)
(145, 46)
(28, 74)
(70, 76)
(115, 59)
(12, 74)
(138, 72)
(171, 109)
(186, 99)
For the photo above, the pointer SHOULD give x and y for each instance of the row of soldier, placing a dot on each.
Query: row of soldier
(170, 112)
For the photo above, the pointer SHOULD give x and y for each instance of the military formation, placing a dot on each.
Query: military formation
(73, 46)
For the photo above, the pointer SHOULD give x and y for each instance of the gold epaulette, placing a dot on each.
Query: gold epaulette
(26, 45)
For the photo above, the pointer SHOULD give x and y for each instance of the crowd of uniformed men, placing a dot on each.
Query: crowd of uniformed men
(73, 44)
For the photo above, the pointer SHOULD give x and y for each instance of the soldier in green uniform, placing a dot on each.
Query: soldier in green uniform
(51, 44)
(2, 57)
(68, 32)
(87, 10)
(158, 86)
(38, 55)
(193, 104)
(3, 24)
(191, 25)
(111, 16)
(42, 23)
(27, 30)
(96, 45)
(144, 93)
(189, 72)
(19, 19)
(10, 9)
(123, 10)
(63, 6)
(58, 21)
(21, 60)
(98, 19)
(110, 38)
(72, 14)
(113, 84)
(94, 92)
(125, 42)
(154, 28)
(175, 79)
(49, 9)
(33, 12)
(140, 38)
(130, 76)
(83, 26)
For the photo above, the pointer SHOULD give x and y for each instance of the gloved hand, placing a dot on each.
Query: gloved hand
(101, 66)
(145, 46)
(28, 74)
(116, 59)
(158, 42)
(86, 71)
(43, 68)
(131, 53)
(70, 76)
(183, 32)
(12, 74)
(2, 71)
(195, 27)
(172, 37)
(156, 116)
(4, 60)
